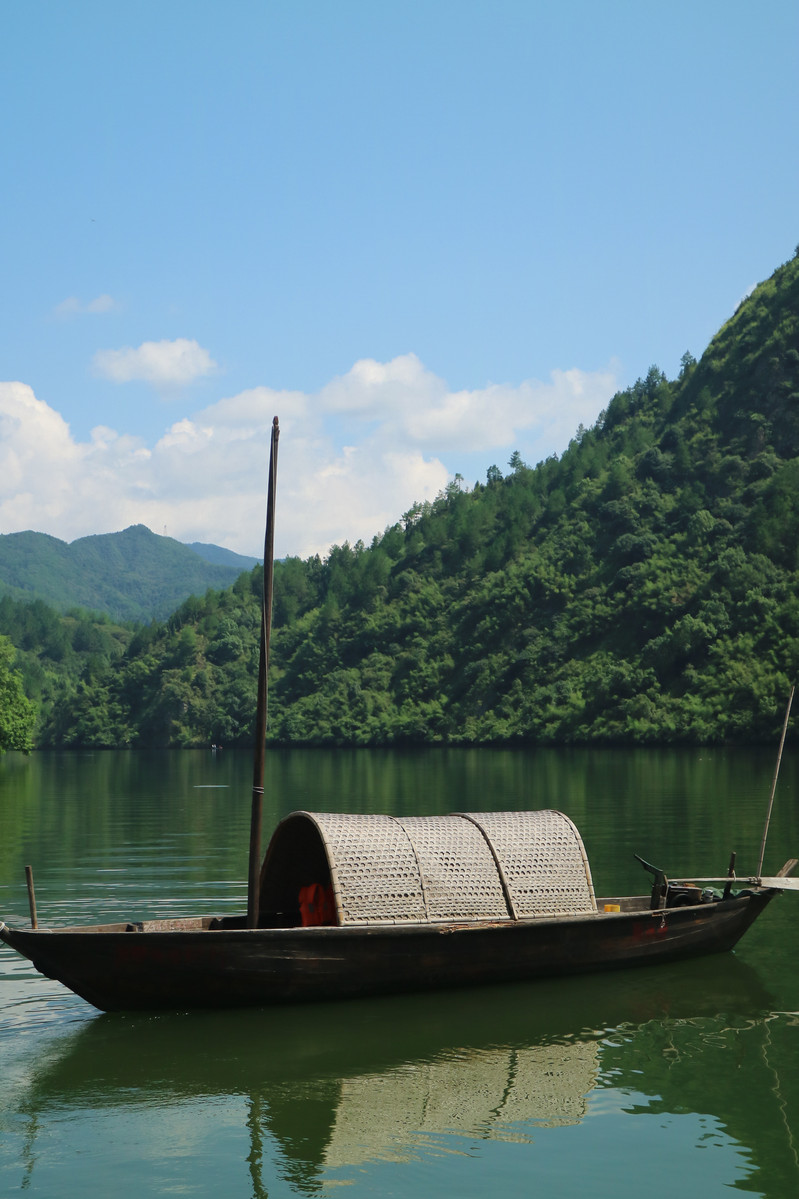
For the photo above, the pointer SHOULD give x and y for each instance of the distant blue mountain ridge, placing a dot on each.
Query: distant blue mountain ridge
(135, 575)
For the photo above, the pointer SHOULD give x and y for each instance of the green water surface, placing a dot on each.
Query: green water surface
(679, 1080)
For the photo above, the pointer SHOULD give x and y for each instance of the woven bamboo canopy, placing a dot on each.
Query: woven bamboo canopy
(429, 869)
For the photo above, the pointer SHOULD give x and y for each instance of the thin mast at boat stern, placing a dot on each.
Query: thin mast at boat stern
(253, 878)
(774, 783)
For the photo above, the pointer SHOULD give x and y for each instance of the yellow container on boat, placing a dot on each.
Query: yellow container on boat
(612, 907)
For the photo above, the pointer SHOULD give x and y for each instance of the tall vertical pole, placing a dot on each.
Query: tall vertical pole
(31, 896)
(774, 785)
(254, 874)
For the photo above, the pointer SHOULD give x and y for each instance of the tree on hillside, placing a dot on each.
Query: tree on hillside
(17, 713)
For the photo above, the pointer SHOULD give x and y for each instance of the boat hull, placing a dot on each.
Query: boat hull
(182, 964)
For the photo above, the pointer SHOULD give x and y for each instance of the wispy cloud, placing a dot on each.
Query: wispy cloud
(72, 306)
(353, 456)
(165, 364)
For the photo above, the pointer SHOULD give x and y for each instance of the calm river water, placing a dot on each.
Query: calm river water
(679, 1080)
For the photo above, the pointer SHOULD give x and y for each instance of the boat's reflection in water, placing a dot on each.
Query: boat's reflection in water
(502, 1093)
(330, 1088)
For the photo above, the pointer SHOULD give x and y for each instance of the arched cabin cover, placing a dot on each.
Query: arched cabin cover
(427, 869)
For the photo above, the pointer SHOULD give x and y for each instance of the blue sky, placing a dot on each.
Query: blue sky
(424, 234)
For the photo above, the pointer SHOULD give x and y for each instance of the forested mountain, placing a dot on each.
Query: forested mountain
(132, 575)
(642, 587)
(17, 713)
(53, 652)
(219, 556)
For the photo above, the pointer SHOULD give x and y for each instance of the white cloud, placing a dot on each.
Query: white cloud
(353, 457)
(32, 437)
(415, 406)
(72, 306)
(167, 364)
(381, 389)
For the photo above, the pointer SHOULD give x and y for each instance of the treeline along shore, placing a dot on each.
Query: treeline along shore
(641, 588)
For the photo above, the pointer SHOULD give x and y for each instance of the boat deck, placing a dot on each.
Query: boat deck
(615, 905)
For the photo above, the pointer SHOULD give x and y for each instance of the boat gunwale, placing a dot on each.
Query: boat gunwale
(192, 926)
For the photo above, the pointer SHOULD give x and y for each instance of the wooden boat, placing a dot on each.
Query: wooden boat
(417, 903)
(358, 905)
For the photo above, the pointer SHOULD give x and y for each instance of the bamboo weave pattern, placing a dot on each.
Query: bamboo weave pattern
(467, 866)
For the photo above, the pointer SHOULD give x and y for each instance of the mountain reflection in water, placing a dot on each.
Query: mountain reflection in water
(328, 1089)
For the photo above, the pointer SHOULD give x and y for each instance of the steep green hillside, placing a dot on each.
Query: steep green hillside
(17, 713)
(643, 587)
(53, 652)
(133, 575)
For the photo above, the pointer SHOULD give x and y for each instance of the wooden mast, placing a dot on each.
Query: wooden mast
(254, 874)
